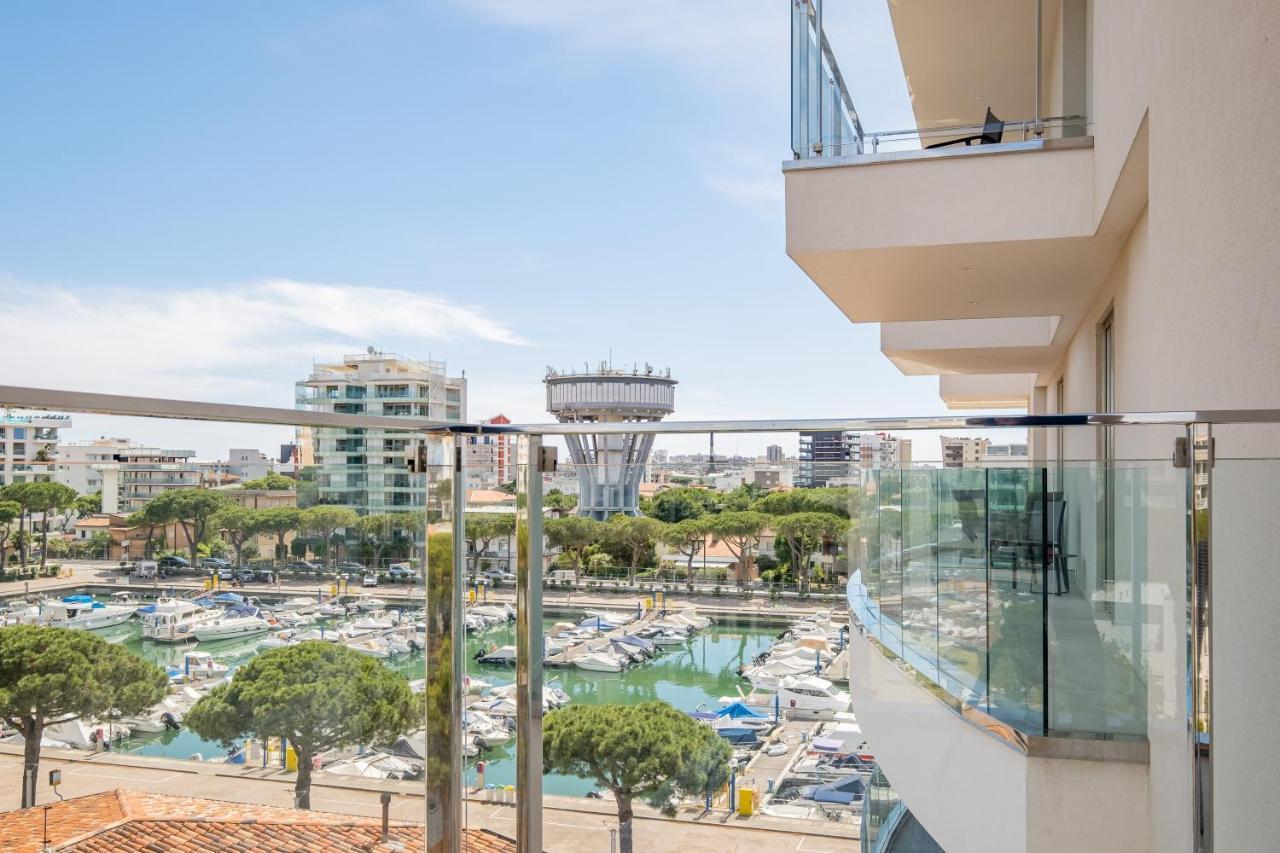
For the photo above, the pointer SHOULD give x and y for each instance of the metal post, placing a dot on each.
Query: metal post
(529, 645)
(1039, 65)
(1200, 629)
(817, 75)
(440, 471)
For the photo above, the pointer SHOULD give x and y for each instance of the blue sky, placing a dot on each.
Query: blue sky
(198, 199)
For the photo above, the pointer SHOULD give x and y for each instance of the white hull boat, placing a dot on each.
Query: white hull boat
(82, 613)
(231, 627)
(600, 662)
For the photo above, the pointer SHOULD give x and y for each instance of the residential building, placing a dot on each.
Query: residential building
(138, 475)
(825, 455)
(962, 451)
(248, 464)
(1070, 252)
(367, 469)
(770, 475)
(1010, 455)
(488, 459)
(80, 462)
(29, 446)
(881, 450)
(773, 453)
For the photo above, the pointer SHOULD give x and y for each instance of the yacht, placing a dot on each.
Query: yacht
(81, 612)
(229, 627)
(813, 697)
(171, 620)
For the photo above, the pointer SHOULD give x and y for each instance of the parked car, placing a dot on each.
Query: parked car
(246, 575)
(347, 566)
(173, 561)
(264, 575)
(497, 578)
(302, 566)
(215, 564)
(401, 572)
(369, 580)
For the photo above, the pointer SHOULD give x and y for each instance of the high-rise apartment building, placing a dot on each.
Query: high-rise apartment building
(773, 454)
(1048, 236)
(29, 446)
(138, 475)
(826, 455)
(366, 469)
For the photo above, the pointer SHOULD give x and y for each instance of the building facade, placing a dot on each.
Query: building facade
(29, 447)
(80, 462)
(825, 456)
(488, 459)
(367, 469)
(881, 450)
(773, 453)
(1142, 277)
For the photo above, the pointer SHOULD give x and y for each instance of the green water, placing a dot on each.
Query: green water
(700, 671)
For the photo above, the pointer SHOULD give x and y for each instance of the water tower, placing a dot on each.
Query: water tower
(610, 466)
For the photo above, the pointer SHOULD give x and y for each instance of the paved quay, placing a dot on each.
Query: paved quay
(570, 825)
(728, 606)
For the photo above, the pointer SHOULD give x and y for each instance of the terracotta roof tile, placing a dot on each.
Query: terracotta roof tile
(133, 820)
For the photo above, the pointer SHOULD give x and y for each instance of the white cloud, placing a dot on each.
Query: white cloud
(239, 342)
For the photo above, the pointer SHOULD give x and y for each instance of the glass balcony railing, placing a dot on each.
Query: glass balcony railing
(1006, 589)
(1031, 90)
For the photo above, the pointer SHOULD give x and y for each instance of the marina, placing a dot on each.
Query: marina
(593, 655)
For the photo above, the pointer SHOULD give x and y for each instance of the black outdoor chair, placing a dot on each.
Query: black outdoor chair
(1034, 549)
(992, 132)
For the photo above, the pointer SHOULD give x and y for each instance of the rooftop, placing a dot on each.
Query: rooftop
(132, 820)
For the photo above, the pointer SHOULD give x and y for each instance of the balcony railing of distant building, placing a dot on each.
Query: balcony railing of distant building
(825, 122)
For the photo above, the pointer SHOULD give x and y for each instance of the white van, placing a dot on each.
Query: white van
(146, 569)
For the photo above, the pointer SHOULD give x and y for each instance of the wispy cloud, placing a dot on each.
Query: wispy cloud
(238, 340)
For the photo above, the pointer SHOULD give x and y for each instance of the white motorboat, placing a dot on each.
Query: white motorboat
(321, 634)
(83, 613)
(231, 627)
(600, 662)
(668, 638)
(813, 696)
(499, 612)
(280, 639)
(291, 619)
(201, 665)
(301, 603)
(369, 602)
(331, 609)
(486, 731)
(374, 647)
(504, 656)
(172, 620)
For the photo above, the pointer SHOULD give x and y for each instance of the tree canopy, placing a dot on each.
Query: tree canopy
(41, 497)
(238, 525)
(672, 505)
(740, 531)
(688, 537)
(804, 533)
(647, 750)
(49, 673)
(827, 499)
(574, 534)
(280, 520)
(636, 535)
(272, 482)
(326, 520)
(192, 509)
(318, 695)
(481, 528)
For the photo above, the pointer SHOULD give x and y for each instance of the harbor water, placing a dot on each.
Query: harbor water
(696, 673)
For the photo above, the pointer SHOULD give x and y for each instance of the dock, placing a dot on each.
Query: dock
(764, 771)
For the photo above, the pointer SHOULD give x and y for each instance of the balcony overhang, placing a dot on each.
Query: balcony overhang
(986, 391)
(1003, 230)
(988, 345)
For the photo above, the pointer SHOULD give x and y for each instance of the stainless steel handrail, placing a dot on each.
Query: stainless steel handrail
(150, 407)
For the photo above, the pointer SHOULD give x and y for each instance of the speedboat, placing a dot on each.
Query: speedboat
(82, 612)
(301, 603)
(486, 731)
(374, 647)
(231, 627)
(668, 638)
(201, 665)
(280, 639)
(331, 609)
(495, 656)
(172, 620)
(369, 602)
(600, 662)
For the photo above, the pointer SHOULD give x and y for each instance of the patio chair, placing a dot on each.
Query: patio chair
(992, 132)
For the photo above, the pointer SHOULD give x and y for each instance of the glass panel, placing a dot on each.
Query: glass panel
(962, 582)
(920, 565)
